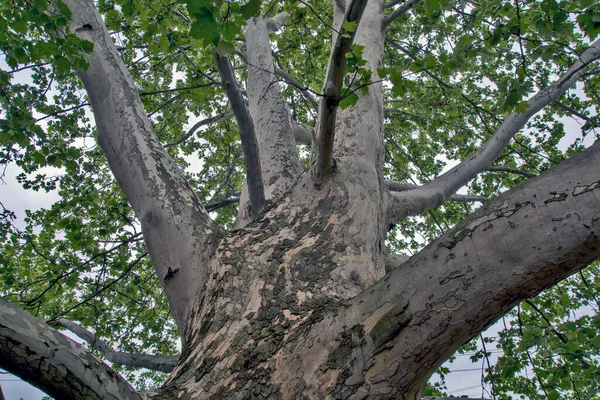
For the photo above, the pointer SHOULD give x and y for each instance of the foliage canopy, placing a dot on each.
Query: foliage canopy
(454, 69)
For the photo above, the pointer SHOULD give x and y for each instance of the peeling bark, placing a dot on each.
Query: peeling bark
(54, 363)
(272, 120)
(165, 204)
(303, 301)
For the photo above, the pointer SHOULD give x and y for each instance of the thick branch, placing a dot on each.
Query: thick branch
(54, 363)
(272, 120)
(332, 90)
(509, 250)
(393, 261)
(285, 76)
(465, 198)
(400, 11)
(246, 126)
(432, 194)
(156, 363)
(303, 133)
(168, 209)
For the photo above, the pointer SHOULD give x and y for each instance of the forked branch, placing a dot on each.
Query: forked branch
(332, 89)
(432, 194)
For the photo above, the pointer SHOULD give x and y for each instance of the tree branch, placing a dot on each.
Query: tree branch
(393, 261)
(246, 126)
(465, 198)
(303, 134)
(400, 11)
(222, 203)
(332, 89)
(151, 181)
(391, 4)
(511, 170)
(62, 368)
(272, 120)
(296, 83)
(433, 194)
(198, 125)
(468, 283)
(571, 111)
(286, 77)
(153, 362)
(395, 186)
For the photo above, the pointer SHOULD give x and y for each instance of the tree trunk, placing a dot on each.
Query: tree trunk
(296, 303)
(281, 319)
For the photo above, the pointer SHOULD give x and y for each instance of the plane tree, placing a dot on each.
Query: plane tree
(300, 199)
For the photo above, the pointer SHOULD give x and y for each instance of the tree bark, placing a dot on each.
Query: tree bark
(272, 120)
(54, 363)
(303, 300)
(167, 207)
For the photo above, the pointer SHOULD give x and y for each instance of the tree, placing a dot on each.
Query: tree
(302, 294)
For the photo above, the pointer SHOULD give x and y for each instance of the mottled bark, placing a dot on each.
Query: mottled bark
(271, 117)
(51, 361)
(297, 303)
(283, 322)
(178, 232)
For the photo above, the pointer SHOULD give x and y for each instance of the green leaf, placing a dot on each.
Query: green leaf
(87, 46)
(128, 10)
(154, 48)
(19, 26)
(430, 61)
(349, 26)
(198, 6)
(230, 30)
(64, 9)
(250, 9)
(205, 28)
(39, 158)
(225, 48)
(432, 6)
(349, 99)
(522, 107)
(417, 65)
(62, 65)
